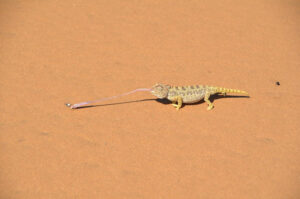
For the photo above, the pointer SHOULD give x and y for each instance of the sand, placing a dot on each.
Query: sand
(56, 52)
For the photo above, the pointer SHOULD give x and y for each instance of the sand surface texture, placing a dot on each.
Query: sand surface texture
(53, 52)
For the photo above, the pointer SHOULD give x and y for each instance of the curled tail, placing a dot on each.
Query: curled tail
(229, 90)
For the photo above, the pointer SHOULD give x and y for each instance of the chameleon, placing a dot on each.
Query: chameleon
(190, 94)
(176, 94)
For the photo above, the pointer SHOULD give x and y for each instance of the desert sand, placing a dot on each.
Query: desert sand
(57, 52)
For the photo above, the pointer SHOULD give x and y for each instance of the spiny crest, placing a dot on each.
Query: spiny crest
(160, 90)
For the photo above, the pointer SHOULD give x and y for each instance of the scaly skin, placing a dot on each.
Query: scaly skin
(190, 94)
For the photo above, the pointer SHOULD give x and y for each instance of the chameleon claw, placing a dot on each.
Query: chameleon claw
(210, 107)
(176, 106)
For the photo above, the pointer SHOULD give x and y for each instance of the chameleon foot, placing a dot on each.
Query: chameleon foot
(176, 106)
(179, 105)
(206, 99)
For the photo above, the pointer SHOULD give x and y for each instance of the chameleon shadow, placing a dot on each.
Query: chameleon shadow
(118, 103)
(163, 101)
(212, 98)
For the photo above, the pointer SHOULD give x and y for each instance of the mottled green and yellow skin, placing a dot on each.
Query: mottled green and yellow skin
(190, 94)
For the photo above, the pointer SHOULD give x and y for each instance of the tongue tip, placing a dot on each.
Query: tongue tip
(68, 104)
(71, 106)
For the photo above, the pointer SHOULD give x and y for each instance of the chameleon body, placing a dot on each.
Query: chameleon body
(190, 94)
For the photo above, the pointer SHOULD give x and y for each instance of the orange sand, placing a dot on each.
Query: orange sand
(53, 52)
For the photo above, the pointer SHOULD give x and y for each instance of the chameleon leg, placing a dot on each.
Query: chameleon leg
(206, 99)
(179, 103)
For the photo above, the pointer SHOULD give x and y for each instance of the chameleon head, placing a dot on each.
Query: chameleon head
(160, 90)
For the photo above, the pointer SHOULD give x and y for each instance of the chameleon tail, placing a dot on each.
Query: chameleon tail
(229, 90)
